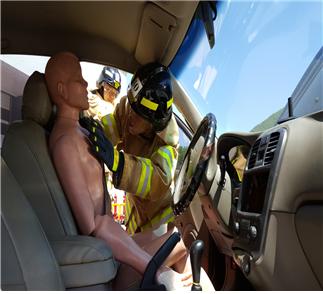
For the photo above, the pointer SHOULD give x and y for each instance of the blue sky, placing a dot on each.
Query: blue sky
(261, 51)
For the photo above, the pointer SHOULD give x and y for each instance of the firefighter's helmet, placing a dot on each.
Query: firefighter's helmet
(150, 94)
(111, 76)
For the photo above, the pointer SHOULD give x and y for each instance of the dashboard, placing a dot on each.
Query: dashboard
(270, 219)
(260, 177)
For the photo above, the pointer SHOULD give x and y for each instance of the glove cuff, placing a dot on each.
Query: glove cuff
(117, 175)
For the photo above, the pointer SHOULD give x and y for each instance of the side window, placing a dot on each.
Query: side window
(12, 86)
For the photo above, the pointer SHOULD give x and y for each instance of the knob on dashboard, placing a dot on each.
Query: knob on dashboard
(237, 227)
(253, 232)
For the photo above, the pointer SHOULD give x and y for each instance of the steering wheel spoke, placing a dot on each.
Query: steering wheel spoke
(194, 165)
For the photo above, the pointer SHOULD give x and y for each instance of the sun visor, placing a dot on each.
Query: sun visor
(157, 29)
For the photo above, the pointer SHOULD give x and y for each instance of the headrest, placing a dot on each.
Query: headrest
(36, 104)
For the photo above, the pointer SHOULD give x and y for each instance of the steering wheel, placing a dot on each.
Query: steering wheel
(149, 278)
(194, 164)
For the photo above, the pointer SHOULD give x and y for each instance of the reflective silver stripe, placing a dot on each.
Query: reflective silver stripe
(145, 177)
(174, 159)
(128, 209)
(130, 223)
(167, 154)
(149, 172)
(171, 149)
(132, 227)
(165, 217)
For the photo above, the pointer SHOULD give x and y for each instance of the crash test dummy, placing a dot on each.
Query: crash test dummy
(139, 145)
(102, 100)
(81, 176)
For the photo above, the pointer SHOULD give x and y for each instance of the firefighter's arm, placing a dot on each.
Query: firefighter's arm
(149, 178)
(71, 175)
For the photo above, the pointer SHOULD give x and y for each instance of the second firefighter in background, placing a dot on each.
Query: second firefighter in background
(141, 149)
(102, 101)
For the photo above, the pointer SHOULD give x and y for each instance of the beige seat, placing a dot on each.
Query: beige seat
(26, 154)
(84, 261)
(27, 259)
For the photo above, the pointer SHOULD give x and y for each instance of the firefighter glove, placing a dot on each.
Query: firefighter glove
(103, 149)
(92, 125)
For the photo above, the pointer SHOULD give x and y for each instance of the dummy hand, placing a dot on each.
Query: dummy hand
(103, 149)
(91, 124)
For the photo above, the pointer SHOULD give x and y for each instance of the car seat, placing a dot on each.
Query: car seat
(27, 259)
(84, 261)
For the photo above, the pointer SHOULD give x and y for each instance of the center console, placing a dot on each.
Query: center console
(250, 220)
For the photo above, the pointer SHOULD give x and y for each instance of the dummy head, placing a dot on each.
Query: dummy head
(65, 82)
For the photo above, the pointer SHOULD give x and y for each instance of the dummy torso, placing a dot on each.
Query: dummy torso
(89, 165)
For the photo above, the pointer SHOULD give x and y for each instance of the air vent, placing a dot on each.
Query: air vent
(271, 148)
(253, 156)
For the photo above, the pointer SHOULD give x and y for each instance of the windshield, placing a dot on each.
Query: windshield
(261, 51)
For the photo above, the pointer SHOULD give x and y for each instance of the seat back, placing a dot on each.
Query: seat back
(27, 260)
(26, 153)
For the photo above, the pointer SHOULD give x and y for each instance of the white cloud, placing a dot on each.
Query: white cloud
(207, 81)
(199, 55)
(252, 36)
(197, 82)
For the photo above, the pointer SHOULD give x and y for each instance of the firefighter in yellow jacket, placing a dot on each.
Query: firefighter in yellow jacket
(144, 134)
(103, 99)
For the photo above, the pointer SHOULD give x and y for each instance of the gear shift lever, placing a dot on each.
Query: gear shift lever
(196, 252)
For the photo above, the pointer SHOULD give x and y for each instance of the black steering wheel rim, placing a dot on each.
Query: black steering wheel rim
(207, 130)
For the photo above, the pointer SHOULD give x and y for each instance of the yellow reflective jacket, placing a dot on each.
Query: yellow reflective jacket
(149, 169)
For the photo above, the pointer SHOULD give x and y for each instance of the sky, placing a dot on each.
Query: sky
(262, 49)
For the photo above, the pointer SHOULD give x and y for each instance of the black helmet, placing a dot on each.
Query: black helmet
(150, 94)
(110, 76)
